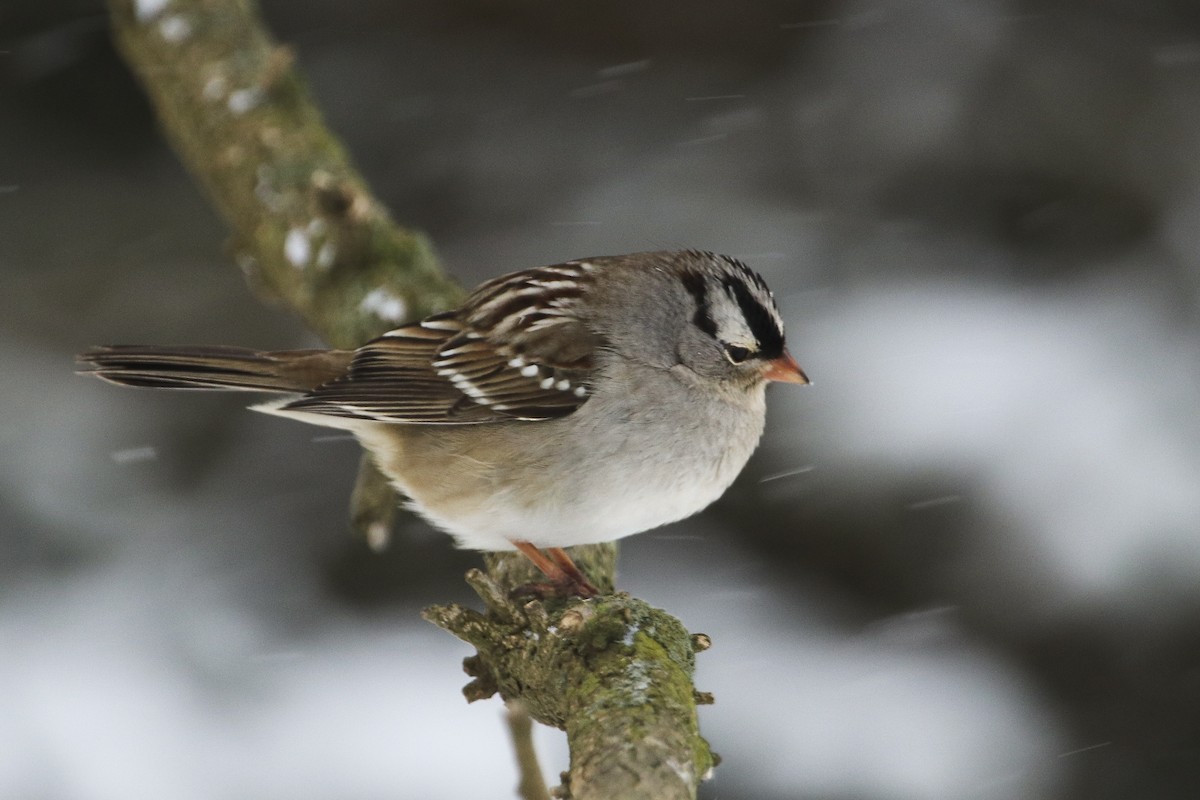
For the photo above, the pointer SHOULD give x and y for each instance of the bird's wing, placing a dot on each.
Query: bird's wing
(516, 350)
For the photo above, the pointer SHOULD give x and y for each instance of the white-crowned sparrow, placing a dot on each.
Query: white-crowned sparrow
(563, 405)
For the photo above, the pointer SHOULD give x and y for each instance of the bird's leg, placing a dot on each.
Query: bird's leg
(564, 562)
(565, 578)
(549, 568)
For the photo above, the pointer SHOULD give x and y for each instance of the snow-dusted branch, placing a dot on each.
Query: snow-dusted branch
(306, 230)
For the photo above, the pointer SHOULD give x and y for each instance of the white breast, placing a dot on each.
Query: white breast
(612, 469)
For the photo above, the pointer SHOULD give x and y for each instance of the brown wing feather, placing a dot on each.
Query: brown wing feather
(518, 350)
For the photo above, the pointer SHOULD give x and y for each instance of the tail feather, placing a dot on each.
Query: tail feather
(214, 367)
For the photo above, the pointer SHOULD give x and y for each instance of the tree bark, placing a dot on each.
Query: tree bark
(306, 230)
(613, 672)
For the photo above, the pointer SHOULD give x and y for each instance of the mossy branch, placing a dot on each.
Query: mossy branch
(613, 672)
(306, 230)
(307, 233)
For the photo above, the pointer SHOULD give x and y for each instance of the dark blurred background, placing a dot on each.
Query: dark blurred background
(964, 563)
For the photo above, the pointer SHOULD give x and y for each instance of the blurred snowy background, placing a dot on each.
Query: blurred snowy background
(964, 564)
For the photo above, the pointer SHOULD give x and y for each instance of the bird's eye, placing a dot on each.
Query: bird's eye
(736, 354)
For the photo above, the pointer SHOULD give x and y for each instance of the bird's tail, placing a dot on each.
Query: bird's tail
(214, 367)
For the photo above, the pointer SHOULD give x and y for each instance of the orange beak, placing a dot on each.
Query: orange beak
(784, 369)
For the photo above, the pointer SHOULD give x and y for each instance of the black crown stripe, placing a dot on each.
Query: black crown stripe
(694, 282)
(758, 317)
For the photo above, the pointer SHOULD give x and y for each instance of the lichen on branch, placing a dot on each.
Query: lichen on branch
(612, 671)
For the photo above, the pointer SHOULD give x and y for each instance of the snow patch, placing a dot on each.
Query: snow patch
(297, 248)
(146, 10)
(385, 305)
(175, 28)
(242, 100)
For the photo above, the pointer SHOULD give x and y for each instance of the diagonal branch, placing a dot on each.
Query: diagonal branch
(615, 673)
(306, 230)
